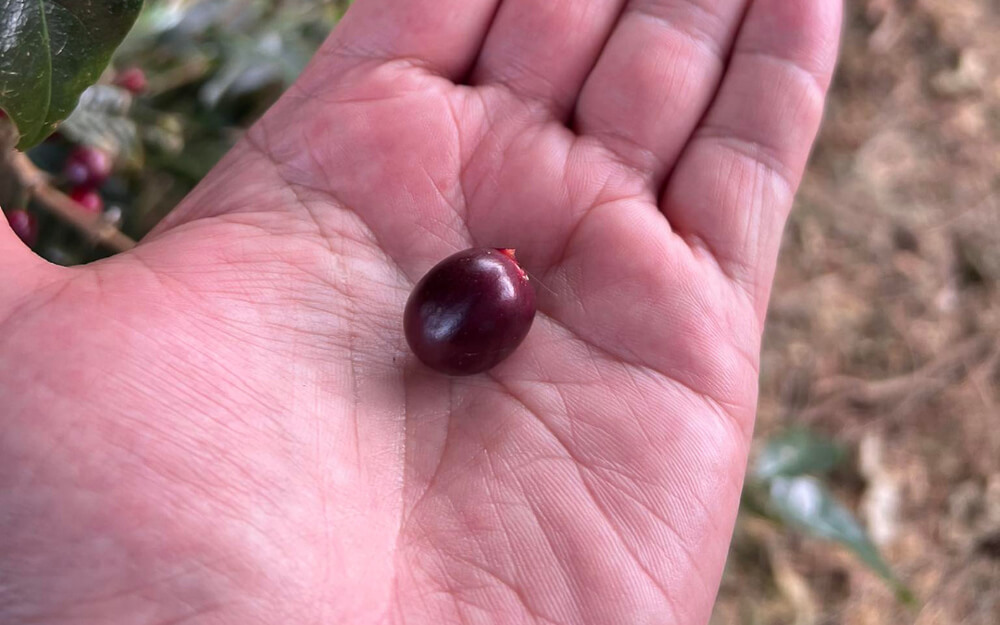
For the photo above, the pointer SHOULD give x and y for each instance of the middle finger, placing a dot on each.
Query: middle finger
(656, 77)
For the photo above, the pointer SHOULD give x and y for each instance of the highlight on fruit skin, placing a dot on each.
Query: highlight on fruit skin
(470, 312)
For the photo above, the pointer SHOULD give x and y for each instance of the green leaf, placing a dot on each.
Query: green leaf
(806, 503)
(796, 452)
(50, 51)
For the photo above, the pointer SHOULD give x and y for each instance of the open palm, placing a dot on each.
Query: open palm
(225, 426)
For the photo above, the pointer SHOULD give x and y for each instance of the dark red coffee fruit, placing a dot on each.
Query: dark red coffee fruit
(87, 167)
(24, 225)
(88, 199)
(470, 312)
(133, 80)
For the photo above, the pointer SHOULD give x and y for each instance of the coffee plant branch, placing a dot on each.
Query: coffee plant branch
(61, 206)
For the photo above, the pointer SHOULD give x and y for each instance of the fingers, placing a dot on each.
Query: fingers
(733, 186)
(655, 78)
(543, 51)
(443, 35)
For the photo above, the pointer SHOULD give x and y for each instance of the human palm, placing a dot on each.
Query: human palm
(225, 425)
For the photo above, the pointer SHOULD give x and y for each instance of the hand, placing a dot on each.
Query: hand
(225, 425)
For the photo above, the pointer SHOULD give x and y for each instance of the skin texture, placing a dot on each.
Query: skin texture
(225, 425)
(470, 312)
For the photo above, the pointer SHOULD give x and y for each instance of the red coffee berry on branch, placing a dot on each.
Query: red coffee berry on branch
(87, 167)
(88, 199)
(24, 225)
(132, 79)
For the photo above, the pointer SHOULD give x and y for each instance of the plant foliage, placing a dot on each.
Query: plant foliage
(50, 52)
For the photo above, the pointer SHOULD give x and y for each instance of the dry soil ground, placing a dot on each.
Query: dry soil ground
(884, 327)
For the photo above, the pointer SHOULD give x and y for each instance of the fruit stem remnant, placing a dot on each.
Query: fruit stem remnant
(509, 253)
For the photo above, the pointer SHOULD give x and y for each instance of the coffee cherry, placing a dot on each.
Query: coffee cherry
(470, 312)
(87, 167)
(24, 225)
(88, 199)
(132, 79)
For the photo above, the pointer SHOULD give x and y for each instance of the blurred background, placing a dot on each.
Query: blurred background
(874, 490)
(884, 328)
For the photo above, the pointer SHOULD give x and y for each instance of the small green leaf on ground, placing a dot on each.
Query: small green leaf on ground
(806, 503)
(796, 452)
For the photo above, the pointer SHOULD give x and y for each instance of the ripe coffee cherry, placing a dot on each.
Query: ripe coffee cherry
(88, 199)
(24, 226)
(133, 80)
(470, 312)
(87, 167)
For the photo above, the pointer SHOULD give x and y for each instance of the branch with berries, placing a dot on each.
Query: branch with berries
(85, 170)
(82, 210)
